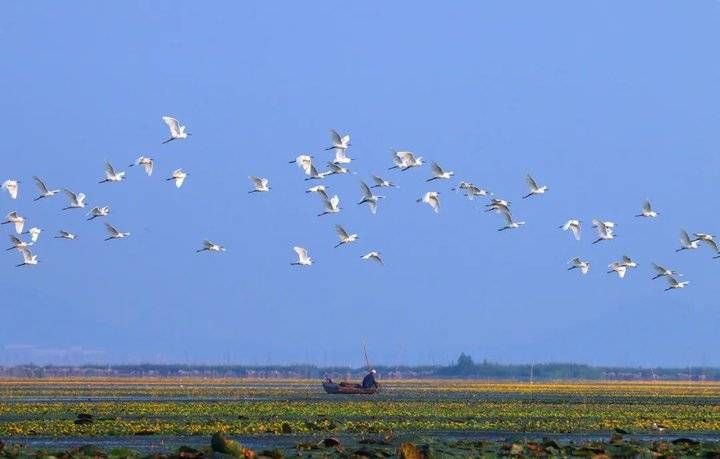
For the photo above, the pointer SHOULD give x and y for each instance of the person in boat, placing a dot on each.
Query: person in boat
(369, 381)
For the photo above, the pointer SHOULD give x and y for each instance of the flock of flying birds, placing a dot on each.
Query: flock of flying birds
(402, 160)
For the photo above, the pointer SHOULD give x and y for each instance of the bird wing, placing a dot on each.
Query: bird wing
(507, 216)
(340, 155)
(712, 244)
(584, 268)
(621, 270)
(148, 166)
(659, 269)
(627, 259)
(173, 125)
(647, 207)
(373, 207)
(301, 253)
(365, 190)
(41, 185)
(335, 137)
(436, 169)
(109, 169)
(335, 168)
(335, 201)
(576, 231)
(26, 254)
(15, 240)
(378, 180)
(685, 238)
(672, 281)
(345, 140)
(531, 183)
(257, 181)
(111, 229)
(72, 196)
(575, 261)
(81, 197)
(434, 201)
(341, 232)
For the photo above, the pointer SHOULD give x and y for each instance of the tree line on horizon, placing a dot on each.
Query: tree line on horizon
(463, 368)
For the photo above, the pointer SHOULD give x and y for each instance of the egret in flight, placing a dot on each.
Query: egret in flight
(11, 186)
(647, 211)
(431, 198)
(76, 200)
(577, 263)
(111, 175)
(373, 256)
(345, 237)
(45, 192)
(177, 131)
(209, 246)
(146, 163)
(534, 188)
(303, 257)
(17, 220)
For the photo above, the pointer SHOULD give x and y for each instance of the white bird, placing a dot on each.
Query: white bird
(712, 244)
(44, 191)
(509, 222)
(382, 183)
(341, 157)
(573, 225)
(34, 233)
(674, 284)
(260, 184)
(210, 246)
(605, 230)
(619, 268)
(686, 243)
(62, 234)
(18, 243)
(96, 212)
(114, 233)
(498, 205)
(319, 189)
(111, 175)
(12, 188)
(439, 173)
(76, 200)
(179, 177)
(431, 198)
(177, 131)
(17, 220)
(628, 262)
(471, 191)
(647, 211)
(664, 272)
(146, 163)
(369, 197)
(534, 188)
(709, 240)
(345, 237)
(577, 263)
(304, 162)
(373, 256)
(28, 258)
(339, 142)
(704, 236)
(313, 173)
(405, 160)
(332, 206)
(338, 169)
(303, 258)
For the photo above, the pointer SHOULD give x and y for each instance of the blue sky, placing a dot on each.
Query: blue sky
(609, 103)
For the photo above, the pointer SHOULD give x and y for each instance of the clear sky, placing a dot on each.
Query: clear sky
(608, 103)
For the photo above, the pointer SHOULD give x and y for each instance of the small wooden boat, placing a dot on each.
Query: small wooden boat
(347, 388)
